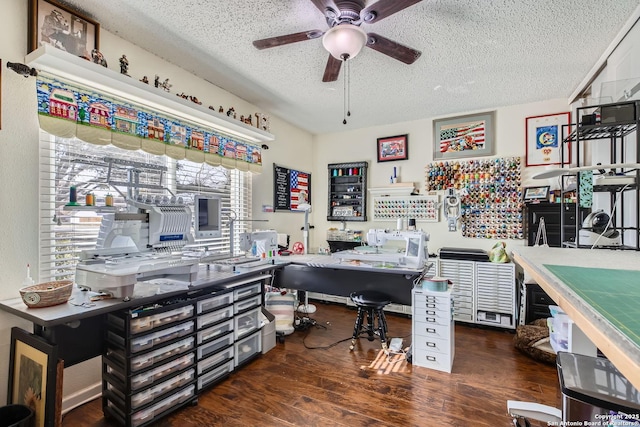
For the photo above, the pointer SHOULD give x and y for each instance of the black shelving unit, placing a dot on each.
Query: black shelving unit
(615, 124)
(559, 220)
(347, 191)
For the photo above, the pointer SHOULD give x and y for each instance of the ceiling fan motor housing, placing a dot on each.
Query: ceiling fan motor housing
(348, 12)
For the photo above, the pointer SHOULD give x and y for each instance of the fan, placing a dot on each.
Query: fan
(345, 38)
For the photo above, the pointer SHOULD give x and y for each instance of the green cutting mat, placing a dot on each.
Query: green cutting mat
(615, 294)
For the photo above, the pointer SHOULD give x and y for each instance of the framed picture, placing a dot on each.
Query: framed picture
(544, 140)
(540, 194)
(393, 148)
(464, 136)
(33, 377)
(57, 25)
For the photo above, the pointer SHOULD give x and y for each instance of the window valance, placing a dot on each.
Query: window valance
(77, 98)
(67, 111)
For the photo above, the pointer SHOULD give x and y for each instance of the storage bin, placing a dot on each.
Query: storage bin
(211, 303)
(16, 416)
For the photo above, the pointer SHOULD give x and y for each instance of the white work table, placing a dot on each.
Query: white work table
(583, 301)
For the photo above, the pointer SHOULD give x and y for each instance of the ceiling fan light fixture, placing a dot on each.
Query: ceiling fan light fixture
(344, 41)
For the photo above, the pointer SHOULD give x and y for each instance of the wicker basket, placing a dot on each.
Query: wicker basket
(47, 294)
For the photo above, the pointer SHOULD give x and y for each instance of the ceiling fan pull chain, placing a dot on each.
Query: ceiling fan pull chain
(348, 89)
(344, 94)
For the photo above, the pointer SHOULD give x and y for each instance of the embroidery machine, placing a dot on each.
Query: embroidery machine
(143, 243)
(138, 245)
(413, 255)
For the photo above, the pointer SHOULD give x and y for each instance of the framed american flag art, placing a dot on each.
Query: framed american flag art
(464, 136)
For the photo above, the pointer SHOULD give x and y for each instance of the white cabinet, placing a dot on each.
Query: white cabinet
(432, 329)
(483, 292)
(496, 294)
(462, 275)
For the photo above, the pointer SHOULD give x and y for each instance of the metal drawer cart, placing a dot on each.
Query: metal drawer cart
(432, 338)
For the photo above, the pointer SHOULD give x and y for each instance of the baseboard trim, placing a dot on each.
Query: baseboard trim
(81, 397)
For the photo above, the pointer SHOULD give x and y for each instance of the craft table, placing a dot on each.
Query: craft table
(600, 291)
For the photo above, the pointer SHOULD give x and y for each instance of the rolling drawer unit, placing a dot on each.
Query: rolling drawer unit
(483, 292)
(462, 275)
(247, 336)
(214, 337)
(433, 344)
(496, 294)
(149, 364)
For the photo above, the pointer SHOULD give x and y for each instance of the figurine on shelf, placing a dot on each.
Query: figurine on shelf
(156, 82)
(165, 85)
(211, 107)
(247, 120)
(144, 80)
(22, 69)
(221, 110)
(124, 65)
(98, 57)
(231, 112)
(195, 100)
(182, 95)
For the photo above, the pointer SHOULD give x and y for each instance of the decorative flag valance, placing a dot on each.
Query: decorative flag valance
(67, 110)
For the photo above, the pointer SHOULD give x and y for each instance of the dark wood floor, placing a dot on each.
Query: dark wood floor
(293, 385)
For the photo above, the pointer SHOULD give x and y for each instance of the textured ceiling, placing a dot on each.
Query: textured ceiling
(476, 54)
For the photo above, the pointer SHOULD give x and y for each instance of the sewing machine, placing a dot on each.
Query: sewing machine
(413, 254)
(257, 243)
(138, 245)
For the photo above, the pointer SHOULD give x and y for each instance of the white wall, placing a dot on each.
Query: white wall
(19, 165)
(360, 145)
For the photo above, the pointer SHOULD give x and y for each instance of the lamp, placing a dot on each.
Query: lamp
(344, 41)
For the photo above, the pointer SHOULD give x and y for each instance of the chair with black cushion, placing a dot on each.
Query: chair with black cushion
(370, 304)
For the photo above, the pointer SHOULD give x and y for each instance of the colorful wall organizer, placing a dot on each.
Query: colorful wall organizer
(490, 194)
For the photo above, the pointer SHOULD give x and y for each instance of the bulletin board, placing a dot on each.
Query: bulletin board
(290, 188)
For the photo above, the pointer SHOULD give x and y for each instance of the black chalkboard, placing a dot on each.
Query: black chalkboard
(290, 188)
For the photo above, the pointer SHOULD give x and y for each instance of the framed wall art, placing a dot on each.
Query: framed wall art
(57, 25)
(544, 140)
(33, 377)
(393, 148)
(464, 136)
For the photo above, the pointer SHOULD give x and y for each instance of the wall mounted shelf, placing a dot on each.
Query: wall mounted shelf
(397, 189)
(85, 73)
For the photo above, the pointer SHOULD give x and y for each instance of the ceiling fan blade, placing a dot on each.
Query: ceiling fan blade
(384, 8)
(289, 38)
(332, 70)
(393, 49)
(323, 5)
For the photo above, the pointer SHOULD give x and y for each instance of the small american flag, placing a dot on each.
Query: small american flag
(461, 137)
(299, 188)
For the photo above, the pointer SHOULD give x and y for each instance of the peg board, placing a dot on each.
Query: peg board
(490, 194)
(420, 208)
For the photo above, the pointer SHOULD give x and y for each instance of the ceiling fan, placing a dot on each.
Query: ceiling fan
(344, 39)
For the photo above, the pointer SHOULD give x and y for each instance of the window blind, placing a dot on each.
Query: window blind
(104, 170)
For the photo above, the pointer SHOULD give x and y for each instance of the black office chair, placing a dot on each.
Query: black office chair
(371, 304)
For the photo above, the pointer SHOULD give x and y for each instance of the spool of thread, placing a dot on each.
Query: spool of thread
(412, 224)
(108, 200)
(73, 194)
(89, 199)
(399, 224)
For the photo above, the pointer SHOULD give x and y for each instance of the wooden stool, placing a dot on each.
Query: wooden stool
(371, 304)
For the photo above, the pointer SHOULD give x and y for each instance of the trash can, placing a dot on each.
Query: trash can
(593, 390)
(16, 416)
